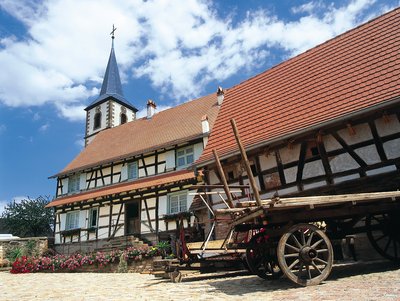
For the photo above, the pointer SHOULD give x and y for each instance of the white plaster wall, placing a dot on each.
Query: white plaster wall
(92, 112)
(267, 161)
(342, 162)
(363, 133)
(313, 169)
(290, 174)
(392, 149)
(151, 170)
(385, 128)
(369, 154)
(290, 154)
(330, 143)
(151, 202)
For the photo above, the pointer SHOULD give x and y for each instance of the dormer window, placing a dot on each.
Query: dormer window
(184, 156)
(73, 183)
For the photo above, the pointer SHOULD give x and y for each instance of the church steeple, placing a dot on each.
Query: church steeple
(111, 86)
(110, 108)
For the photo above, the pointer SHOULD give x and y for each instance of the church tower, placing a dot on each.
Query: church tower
(110, 108)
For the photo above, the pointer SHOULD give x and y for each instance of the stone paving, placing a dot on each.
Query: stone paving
(361, 281)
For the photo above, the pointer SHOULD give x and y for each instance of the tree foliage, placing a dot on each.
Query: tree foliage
(28, 218)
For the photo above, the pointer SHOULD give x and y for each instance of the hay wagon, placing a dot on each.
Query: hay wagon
(291, 236)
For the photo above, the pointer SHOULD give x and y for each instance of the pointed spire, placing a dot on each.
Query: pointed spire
(111, 86)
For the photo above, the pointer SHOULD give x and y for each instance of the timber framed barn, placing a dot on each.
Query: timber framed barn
(324, 122)
(133, 175)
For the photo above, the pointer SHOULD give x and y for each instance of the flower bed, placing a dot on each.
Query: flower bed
(78, 262)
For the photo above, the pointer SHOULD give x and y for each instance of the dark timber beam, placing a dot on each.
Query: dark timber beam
(223, 178)
(246, 163)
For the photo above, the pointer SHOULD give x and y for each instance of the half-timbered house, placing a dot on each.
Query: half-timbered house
(326, 121)
(133, 174)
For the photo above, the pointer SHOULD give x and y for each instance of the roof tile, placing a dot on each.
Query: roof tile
(166, 128)
(352, 72)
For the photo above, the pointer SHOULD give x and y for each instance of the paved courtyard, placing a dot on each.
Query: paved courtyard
(361, 281)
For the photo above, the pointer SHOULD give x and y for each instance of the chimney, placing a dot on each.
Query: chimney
(151, 108)
(205, 126)
(220, 95)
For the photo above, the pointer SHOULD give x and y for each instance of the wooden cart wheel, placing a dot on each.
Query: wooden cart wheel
(305, 254)
(384, 235)
(261, 259)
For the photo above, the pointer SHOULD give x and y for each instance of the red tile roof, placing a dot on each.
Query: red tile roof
(149, 182)
(166, 128)
(353, 72)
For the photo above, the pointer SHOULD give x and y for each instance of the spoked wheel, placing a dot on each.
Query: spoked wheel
(383, 231)
(261, 259)
(305, 254)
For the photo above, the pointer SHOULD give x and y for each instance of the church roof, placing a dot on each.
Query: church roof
(356, 72)
(111, 87)
(166, 128)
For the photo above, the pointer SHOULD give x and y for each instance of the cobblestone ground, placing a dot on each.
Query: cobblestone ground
(361, 281)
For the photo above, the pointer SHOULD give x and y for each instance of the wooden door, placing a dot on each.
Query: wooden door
(132, 218)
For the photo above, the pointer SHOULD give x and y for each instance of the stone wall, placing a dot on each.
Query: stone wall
(40, 246)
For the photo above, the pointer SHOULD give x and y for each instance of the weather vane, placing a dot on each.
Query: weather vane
(113, 31)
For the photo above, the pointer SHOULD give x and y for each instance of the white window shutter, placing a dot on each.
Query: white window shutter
(198, 149)
(124, 172)
(82, 219)
(65, 186)
(170, 160)
(63, 221)
(82, 181)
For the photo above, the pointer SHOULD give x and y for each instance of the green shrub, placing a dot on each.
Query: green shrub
(14, 253)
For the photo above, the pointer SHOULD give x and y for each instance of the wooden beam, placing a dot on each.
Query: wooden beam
(223, 179)
(246, 163)
(148, 215)
(285, 203)
(378, 141)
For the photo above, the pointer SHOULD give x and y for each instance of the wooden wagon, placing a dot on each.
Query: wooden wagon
(292, 236)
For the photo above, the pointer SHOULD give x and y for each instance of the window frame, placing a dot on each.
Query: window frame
(72, 220)
(97, 121)
(133, 166)
(182, 204)
(184, 156)
(93, 222)
(123, 118)
(74, 183)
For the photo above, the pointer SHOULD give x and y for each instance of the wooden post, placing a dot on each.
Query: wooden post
(223, 179)
(246, 163)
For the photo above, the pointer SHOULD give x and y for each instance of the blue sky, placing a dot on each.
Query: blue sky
(53, 56)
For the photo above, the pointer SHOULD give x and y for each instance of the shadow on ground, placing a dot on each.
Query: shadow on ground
(231, 284)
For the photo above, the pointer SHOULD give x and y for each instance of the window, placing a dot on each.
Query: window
(97, 121)
(72, 221)
(133, 170)
(93, 213)
(123, 118)
(177, 202)
(184, 156)
(73, 183)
